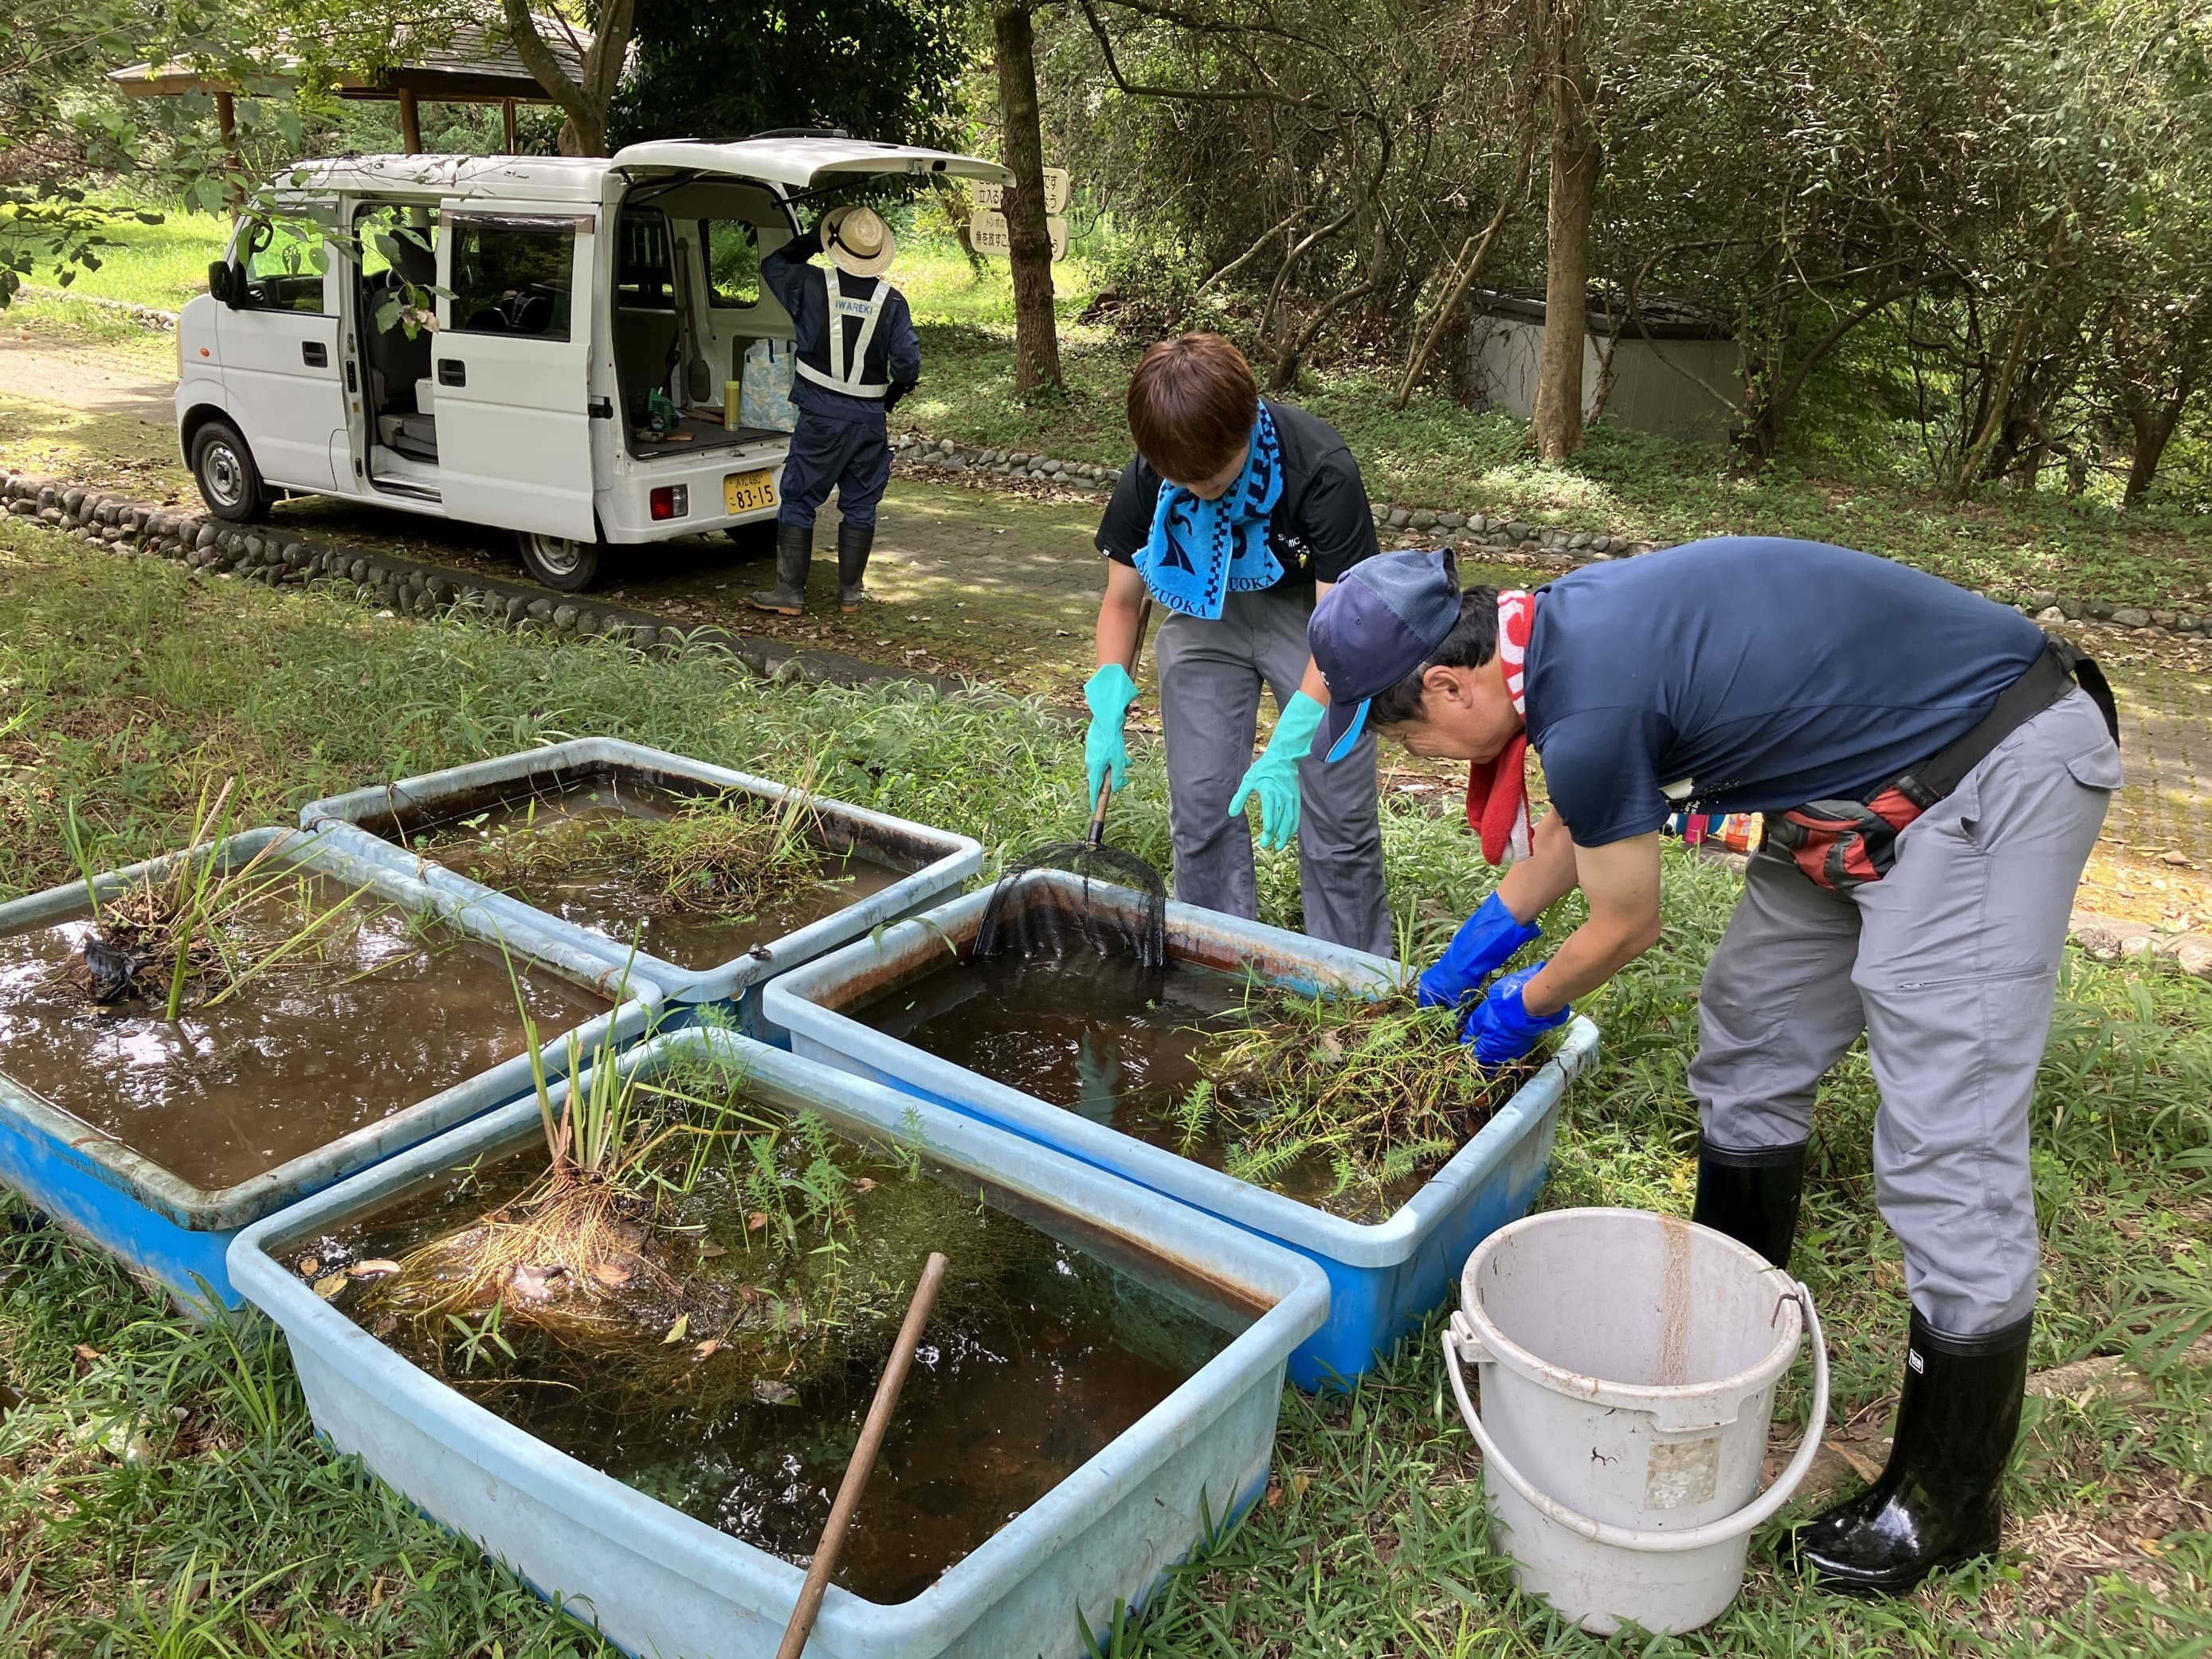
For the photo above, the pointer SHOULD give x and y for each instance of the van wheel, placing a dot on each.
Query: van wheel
(229, 482)
(562, 562)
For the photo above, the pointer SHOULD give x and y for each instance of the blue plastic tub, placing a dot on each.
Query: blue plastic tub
(174, 1234)
(375, 822)
(655, 1581)
(1384, 1277)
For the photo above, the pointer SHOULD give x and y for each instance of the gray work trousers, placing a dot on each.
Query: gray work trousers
(1950, 964)
(1211, 673)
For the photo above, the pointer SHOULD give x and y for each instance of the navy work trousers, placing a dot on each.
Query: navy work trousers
(852, 456)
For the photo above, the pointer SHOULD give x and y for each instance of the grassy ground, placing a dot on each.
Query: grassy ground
(220, 1529)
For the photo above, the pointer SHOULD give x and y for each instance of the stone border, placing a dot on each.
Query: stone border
(264, 554)
(1500, 541)
(145, 316)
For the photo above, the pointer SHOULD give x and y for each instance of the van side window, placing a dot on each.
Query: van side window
(284, 265)
(733, 248)
(645, 276)
(512, 276)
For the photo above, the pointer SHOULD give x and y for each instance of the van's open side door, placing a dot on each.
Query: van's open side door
(511, 365)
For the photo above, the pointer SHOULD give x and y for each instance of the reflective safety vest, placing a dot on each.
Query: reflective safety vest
(844, 376)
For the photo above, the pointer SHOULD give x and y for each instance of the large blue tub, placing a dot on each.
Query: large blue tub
(656, 1581)
(1384, 1277)
(377, 823)
(176, 1234)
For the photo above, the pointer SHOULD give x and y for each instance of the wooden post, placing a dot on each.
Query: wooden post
(226, 121)
(506, 116)
(411, 124)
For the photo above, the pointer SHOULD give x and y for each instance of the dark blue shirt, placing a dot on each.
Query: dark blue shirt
(894, 355)
(1750, 674)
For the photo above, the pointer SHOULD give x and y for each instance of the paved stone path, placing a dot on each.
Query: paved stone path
(979, 580)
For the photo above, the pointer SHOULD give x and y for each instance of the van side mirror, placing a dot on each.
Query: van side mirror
(226, 283)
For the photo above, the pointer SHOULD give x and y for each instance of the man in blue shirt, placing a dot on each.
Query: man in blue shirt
(1933, 781)
(856, 355)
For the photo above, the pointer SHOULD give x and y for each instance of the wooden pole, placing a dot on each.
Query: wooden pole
(864, 1461)
(226, 121)
(411, 124)
(507, 117)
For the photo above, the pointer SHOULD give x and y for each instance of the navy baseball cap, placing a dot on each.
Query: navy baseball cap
(1380, 623)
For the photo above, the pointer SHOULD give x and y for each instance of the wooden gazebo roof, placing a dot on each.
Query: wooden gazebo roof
(478, 65)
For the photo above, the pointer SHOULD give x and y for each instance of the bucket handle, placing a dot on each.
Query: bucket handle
(1752, 1516)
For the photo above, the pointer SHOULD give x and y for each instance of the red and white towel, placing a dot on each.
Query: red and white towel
(1497, 790)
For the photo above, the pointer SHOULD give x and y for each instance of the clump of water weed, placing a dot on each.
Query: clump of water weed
(727, 855)
(201, 931)
(1360, 1098)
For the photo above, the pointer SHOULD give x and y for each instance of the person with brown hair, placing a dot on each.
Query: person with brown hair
(1236, 515)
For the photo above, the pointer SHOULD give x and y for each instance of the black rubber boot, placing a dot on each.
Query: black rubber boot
(1938, 1502)
(794, 556)
(854, 541)
(1752, 1196)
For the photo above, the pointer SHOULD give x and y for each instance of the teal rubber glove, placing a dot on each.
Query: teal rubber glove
(1110, 692)
(1275, 775)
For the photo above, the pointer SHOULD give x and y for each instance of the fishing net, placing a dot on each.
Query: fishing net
(1077, 895)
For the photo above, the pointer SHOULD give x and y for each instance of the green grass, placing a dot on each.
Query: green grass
(122, 683)
(161, 265)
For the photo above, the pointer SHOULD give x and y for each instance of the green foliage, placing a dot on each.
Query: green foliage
(886, 70)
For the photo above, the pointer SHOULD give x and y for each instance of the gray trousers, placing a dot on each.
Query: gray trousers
(1211, 673)
(1950, 964)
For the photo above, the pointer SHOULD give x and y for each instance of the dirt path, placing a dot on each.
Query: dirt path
(985, 583)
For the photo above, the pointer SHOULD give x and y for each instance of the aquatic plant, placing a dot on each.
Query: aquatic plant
(201, 930)
(1358, 1095)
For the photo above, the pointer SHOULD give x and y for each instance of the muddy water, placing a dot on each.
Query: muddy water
(1038, 1354)
(606, 905)
(391, 1014)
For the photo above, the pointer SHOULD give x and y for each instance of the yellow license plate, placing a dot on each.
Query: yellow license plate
(748, 492)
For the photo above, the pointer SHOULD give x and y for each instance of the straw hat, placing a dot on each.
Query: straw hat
(858, 240)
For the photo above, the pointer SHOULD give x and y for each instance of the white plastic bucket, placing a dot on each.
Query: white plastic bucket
(1628, 1364)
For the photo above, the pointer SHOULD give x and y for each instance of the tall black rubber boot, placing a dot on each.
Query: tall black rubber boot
(854, 541)
(1752, 1196)
(794, 557)
(1938, 1502)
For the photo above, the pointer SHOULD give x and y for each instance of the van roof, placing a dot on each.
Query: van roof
(795, 163)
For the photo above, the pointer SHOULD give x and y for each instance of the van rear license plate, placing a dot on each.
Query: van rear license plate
(748, 492)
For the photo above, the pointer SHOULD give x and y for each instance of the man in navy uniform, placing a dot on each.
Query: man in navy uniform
(857, 355)
(1932, 779)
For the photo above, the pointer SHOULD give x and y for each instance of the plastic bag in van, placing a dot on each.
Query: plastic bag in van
(764, 395)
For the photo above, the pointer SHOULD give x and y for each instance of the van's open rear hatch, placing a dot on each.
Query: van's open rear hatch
(800, 163)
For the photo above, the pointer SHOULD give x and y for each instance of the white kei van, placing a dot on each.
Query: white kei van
(575, 299)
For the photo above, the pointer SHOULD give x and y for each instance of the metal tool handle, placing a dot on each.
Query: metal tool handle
(1097, 834)
(863, 1462)
(1752, 1516)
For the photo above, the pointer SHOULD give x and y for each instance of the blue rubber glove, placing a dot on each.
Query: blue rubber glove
(1500, 1030)
(1110, 692)
(1274, 776)
(1485, 943)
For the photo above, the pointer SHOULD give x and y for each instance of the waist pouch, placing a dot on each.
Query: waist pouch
(1843, 844)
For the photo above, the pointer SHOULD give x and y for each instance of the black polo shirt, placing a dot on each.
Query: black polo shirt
(1321, 526)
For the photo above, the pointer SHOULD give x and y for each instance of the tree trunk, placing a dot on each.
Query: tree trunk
(1029, 242)
(584, 104)
(1576, 158)
(2154, 425)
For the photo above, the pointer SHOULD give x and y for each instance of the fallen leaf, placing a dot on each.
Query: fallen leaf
(310, 1266)
(756, 1221)
(611, 1276)
(329, 1285)
(380, 1267)
(770, 1392)
(707, 1349)
(676, 1331)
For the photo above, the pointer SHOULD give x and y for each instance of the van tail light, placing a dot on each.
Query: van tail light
(671, 502)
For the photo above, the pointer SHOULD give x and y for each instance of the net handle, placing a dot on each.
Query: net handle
(1106, 784)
